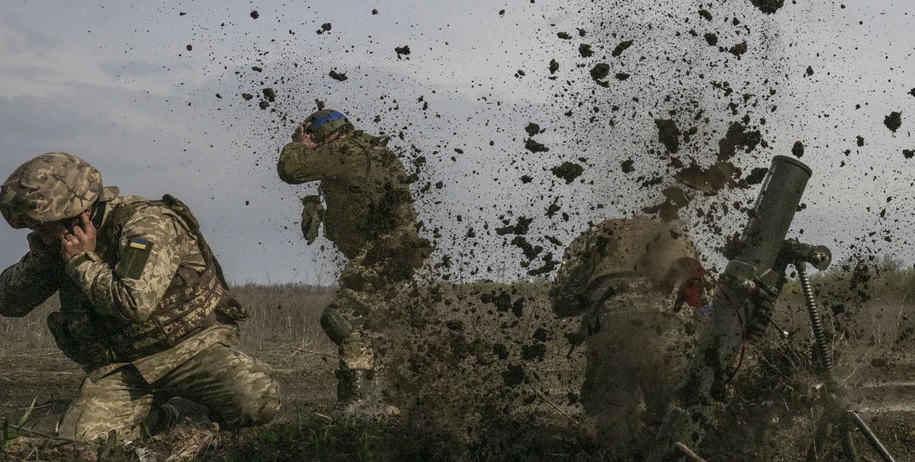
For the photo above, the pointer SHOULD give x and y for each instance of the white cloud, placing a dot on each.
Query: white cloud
(117, 82)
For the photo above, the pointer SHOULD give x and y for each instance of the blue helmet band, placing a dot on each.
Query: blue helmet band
(325, 123)
(326, 118)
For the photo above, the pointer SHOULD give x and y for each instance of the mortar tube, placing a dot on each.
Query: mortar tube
(779, 197)
(721, 340)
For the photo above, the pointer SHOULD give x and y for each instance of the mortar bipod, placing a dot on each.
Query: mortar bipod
(820, 257)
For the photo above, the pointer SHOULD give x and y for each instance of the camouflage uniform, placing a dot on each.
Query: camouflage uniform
(147, 315)
(636, 283)
(371, 219)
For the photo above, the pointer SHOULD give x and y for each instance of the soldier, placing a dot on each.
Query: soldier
(637, 284)
(144, 307)
(370, 218)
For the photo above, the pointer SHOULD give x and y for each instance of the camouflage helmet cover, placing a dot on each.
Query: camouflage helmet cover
(51, 187)
(326, 122)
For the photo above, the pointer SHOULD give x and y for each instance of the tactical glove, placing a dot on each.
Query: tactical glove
(312, 216)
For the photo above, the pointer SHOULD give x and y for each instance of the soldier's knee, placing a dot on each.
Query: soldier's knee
(262, 399)
(100, 408)
(335, 325)
(265, 407)
(76, 431)
(88, 430)
(257, 405)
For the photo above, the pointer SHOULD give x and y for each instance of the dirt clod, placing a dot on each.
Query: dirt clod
(532, 129)
(668, 134)
(739, 49)
(893, 121)
(621, 47)
(600, 72)
(768, 6)
(534, 146)
(798, 149)
(568, 171)
(402, 51)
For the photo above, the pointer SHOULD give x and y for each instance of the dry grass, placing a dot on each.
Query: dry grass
(474, 343)
(284, 319)
(281, 316)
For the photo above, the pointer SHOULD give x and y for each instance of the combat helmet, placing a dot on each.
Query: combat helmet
(53, 186)
(325, 122)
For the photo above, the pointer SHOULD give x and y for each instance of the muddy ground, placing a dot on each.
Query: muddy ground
(494, 378)
(51, 380)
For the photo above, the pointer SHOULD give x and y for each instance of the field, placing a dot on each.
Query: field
(283, 331)
(485, 371)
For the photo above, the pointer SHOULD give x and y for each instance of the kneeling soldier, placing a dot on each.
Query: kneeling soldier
(144, 307)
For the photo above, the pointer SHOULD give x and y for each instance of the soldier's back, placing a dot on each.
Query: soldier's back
(624, 276)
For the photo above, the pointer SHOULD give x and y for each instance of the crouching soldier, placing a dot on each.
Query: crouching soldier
(144, 307)
(638, 284)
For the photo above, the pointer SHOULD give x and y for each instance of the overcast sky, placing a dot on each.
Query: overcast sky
(151, 95)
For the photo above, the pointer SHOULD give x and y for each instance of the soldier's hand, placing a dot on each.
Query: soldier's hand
(299, 133)
(301, 136)
(763, 300)
(312, 216)
(82, 239)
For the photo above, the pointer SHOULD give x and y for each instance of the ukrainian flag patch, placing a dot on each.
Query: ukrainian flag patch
(134, 258)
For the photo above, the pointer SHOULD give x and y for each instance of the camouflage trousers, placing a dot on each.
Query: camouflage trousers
(237, 389)
(357, 342)
(359, 308)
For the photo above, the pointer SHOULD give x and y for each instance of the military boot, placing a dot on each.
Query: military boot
(359, 395)
(162, 419)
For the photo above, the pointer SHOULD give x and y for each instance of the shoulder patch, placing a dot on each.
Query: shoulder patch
(133, 259)
(138, 244)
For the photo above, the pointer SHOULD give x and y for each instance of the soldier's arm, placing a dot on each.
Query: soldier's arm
(28, 283)
(300, 164)
(151, 247)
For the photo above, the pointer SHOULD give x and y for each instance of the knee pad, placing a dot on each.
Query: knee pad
(335, 325)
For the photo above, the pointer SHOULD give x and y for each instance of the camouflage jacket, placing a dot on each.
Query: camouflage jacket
(365, 187)
(128, 300)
